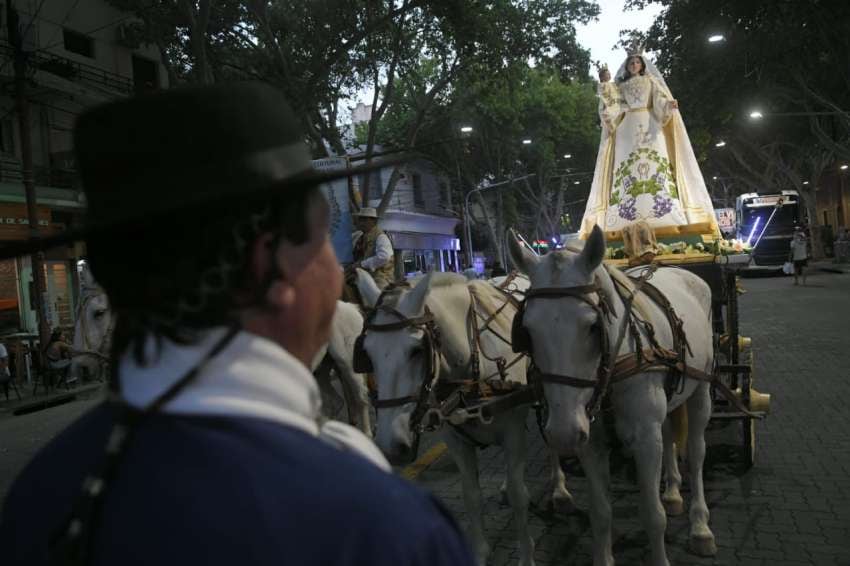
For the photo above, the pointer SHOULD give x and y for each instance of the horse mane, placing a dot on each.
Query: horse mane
(490, 299)
(641, 302)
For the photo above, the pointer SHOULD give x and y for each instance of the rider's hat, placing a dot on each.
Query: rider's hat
(175, 152)
(367, 212)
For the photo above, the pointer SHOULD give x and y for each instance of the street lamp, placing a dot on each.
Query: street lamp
(805, 182)
(716, 38)
(568, 155)
(576, 182)
(466, 129)
(526, 141)
(756, 115)
(721, 143)
(844, 167)
(466, 215)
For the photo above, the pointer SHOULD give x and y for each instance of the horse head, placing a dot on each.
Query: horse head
(564, 332)
(414, 335)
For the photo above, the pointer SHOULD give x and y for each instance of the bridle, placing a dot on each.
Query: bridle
(602, 309)
(431, 351)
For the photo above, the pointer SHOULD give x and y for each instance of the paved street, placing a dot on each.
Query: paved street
(792, 508)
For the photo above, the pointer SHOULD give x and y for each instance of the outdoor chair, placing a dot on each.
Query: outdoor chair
(6, 381)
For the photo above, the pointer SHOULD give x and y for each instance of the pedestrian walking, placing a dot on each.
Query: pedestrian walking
(210, 236)
(799, 254)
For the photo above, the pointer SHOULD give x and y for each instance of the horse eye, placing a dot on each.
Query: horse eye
(98, 314)
(594, 328)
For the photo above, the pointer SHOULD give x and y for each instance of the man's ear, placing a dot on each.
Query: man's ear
(266, 272)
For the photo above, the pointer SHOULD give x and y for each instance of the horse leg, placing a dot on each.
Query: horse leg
(647, 449)
(515, 458)
(699, 413)
(594, 460)
(466, 459)
(671, 498)
(562, 499)
(356, 396)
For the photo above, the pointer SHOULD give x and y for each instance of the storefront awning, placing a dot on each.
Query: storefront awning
(418, 241)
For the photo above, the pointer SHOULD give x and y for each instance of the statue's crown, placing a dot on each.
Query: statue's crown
(635, 48)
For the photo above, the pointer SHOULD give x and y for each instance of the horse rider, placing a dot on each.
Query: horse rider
(209, 233)
(373, 250)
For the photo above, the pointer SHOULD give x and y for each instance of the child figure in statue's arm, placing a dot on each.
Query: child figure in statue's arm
(610, 100)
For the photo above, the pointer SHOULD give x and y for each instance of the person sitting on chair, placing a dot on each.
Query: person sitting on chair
(58, 352)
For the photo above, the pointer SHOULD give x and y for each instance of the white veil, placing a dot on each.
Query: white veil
(651, 70)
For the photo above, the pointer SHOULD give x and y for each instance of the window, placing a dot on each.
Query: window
(418, 198)
(145, 74)
(78, 43)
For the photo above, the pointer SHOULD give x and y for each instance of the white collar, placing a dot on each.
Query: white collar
(252, 377)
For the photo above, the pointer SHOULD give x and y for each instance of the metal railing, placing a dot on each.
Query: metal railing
(72, 70)
(11, 171)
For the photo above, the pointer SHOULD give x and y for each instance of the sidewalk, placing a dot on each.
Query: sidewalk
(29, 403)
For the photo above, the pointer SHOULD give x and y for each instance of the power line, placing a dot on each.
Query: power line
(33, 19)
(65, 19)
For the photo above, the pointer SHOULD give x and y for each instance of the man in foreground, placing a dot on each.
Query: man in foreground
(210, 236)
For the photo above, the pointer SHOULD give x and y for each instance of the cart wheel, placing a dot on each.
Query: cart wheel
(749, 430)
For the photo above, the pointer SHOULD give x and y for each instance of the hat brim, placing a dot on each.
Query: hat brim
(125, 224)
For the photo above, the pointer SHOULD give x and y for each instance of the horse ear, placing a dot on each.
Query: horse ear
(413, 302)
(594, 249)
(369, 290)
(522, 258)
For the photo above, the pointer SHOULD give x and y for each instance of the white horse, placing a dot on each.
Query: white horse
(337, 357)
(565, 334)
(92, 330)
(400, 357)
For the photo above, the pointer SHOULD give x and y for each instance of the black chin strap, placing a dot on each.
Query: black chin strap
(71, 544)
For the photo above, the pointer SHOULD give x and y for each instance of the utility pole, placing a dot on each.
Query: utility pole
(22, 108)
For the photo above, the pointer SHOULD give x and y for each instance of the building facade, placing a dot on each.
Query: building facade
(79, 54)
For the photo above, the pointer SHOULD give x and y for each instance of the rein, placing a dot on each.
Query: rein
(451, 405)
(605, 369)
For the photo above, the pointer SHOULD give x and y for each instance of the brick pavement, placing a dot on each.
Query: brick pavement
(793, 507)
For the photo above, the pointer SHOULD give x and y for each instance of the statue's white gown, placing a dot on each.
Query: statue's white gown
(646, 169)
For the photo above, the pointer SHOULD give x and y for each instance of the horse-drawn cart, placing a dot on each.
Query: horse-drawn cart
(733, 352)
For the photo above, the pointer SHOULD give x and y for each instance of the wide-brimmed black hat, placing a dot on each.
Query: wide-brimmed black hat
(162, 154)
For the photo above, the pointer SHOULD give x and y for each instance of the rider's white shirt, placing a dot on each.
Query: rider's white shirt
(383, 252)
(251, 377)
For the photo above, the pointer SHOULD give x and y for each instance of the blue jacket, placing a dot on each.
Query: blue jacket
(227, 490)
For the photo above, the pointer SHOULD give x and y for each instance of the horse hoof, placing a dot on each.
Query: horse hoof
(673, 507)
(703, 545)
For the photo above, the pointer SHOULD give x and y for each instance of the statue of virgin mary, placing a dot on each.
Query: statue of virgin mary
(645, 169)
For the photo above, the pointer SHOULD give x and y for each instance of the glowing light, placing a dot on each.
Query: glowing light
(721, 143)
(844, 167)
(526, 142)
(715, 38)
(756, 115)
(568, 155)
(714, 178)
(805, 182)
(753, 231)
(466, 129)
(576, 182)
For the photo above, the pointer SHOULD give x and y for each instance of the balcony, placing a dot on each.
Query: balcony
(11, 171)
(72, 70)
